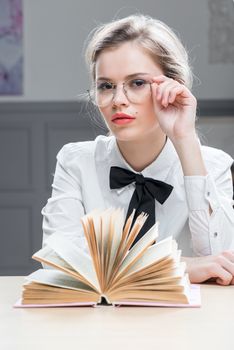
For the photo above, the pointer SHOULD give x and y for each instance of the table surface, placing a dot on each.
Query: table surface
(107, 327)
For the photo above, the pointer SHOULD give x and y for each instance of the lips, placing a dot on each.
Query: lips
(121, 116)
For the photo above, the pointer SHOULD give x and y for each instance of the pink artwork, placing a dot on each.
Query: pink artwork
(11, 49)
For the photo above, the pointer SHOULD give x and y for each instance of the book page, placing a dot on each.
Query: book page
(194, 298)
(74, 256)
(154, 253)
(128, 236)
(181, 294)
(105, 219)
(115, 237)
(49, 254)
(140, 247)
(161, 266)
(173, 277)
(57, 279)
(92, 226)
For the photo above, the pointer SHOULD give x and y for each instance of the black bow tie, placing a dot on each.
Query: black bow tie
(143, 198)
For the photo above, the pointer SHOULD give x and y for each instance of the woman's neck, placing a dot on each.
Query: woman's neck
(141, 153)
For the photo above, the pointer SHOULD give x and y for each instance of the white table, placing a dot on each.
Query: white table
(106, 327)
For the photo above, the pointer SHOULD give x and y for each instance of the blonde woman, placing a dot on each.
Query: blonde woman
(153, 160)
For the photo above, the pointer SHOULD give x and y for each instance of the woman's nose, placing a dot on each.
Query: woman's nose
(120, 97)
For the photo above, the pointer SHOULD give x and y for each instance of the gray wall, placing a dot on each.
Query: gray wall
(30, 136)
(55, 30)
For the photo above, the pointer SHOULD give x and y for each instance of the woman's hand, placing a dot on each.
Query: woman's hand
(175, 107)
(219, 268)
(175, 110)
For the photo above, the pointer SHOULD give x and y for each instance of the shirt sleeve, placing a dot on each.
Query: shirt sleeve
(211, 233)
(62, 213)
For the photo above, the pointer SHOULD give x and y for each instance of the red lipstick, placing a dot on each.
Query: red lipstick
(122, 118)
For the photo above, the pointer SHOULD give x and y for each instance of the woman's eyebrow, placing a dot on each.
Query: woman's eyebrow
(127, 76)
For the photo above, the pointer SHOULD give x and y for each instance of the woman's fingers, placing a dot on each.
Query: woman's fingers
(166, 93)
(219, 267)
(223, 277)
(162, 94)
(222, 268)
(162, 87)
(229, 254)
(226, 260)
(167, 90)
(173, 93)
(163, 90)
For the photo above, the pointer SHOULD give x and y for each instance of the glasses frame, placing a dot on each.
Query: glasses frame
(150, 82)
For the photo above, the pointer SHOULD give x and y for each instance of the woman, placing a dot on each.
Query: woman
(141, 83)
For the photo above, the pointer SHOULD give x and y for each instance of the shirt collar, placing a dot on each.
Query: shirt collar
(158, 169)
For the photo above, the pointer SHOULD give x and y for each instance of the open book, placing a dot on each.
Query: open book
(115, 272)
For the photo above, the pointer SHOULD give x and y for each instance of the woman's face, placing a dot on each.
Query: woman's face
(115, 66)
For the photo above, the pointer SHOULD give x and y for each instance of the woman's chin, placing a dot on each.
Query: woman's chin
(136, 133)
(127, 135)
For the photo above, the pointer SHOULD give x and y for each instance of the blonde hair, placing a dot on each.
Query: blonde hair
(158, 39)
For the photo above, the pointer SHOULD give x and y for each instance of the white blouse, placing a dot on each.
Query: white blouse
(81, 184)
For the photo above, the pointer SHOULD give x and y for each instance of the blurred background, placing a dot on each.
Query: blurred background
(42, 74)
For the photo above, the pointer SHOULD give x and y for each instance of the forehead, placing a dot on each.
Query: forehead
(125, 60)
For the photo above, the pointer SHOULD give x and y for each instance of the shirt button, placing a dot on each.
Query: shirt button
(208, 193)
(215, 234)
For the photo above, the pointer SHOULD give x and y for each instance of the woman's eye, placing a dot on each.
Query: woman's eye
(104, 86)
(136, 83)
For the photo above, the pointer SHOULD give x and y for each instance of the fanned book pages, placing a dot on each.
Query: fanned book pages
(149, 273)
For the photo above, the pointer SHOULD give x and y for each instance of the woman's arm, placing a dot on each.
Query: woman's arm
(211, 217)
(209, 197)
(62, 213)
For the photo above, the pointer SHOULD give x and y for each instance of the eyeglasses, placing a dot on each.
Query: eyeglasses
(136, 90)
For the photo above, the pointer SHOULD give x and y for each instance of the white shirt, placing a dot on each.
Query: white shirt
(81, 184)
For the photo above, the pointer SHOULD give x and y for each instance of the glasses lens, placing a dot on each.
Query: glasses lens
(102, 93)
(137, 90)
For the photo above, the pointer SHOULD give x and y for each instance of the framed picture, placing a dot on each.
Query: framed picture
(11, 47)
